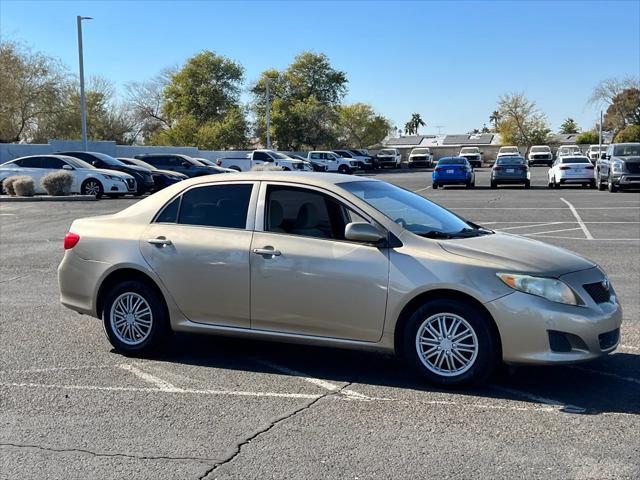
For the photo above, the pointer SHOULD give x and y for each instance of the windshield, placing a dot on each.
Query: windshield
(419, 151)
(509, 150)
(205, 161)
(107, 159)
(452, 161)
(77, 163)
(540, 149)
(387, 152)
(510, 160)
(469, 150)
(343, 153)
(409, 210)
(140, 163)
(626, 150)
(280, 155)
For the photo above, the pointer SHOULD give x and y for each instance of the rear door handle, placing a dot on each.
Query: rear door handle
(267, 251)
(160, 241)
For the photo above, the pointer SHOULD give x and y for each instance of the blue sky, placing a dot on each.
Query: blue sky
(449, 61)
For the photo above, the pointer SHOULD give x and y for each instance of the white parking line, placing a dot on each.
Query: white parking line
(538, 399)
(550, 231)
(332, 387)
(53, 369)
(530, 225)
(422, 189)
(584, 228)
(161, 384)
(606, 374)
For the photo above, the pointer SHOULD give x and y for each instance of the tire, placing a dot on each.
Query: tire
(435, 186)
(555, 183)
(467, 185)
(592, 184)
(343, 169)
(122, 337)
(114, 195)
(91, 186)
(599, 184)
(286, 169)
(612, 187)
(475, 362)
(527, 184)
(494, 185)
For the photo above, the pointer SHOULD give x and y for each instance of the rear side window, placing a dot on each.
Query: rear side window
(216, 206)
(31, 162)
(170, 212)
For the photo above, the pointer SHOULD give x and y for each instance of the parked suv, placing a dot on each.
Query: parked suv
(178, 163)
(540, 154)
(389, 157)
(142, 176)
(363, 160)
(420, 156)
(473, 155)
(619, 167)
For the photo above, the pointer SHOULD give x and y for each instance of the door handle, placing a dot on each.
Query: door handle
(267, 251)
(160, 241)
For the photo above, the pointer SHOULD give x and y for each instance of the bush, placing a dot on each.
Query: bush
(24, 186)
(630, 133)
(587, 138)
(7, 185)
(57, 183)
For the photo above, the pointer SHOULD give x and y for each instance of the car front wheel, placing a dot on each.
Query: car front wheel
(450, 343)
(611, 186)
(134, 318)
(92, 187)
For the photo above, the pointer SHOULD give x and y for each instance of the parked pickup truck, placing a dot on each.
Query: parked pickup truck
(540, 154)
(389, 157)
(331, 162)
(473, 156)
(258, 157)
(420, 156)
(594, 152)
(508, 151)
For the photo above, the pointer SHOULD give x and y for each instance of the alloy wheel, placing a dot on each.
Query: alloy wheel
(447, 344)
(131, 318)
(92, 188)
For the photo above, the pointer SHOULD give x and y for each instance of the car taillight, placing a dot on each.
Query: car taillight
(497, 168)
(70, 240)
(439, 169)
(565, 168)
(589, 167)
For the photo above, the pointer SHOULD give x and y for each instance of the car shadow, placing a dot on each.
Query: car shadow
(609, 384)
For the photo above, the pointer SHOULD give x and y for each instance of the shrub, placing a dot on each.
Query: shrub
(57, 183)
(7, 185)
(587, 138)
(630, 133)
(24, 186)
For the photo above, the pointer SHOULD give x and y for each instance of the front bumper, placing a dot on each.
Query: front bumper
(627, 180)
(525, 322)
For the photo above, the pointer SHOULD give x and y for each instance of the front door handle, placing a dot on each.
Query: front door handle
(267, 251)
(160, 241)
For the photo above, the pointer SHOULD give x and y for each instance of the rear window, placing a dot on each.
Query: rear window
(452, 161)
(510, 161)
(216, 206)
(575, 160)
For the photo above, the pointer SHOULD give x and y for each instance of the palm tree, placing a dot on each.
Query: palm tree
(495, 118)
(412, 126)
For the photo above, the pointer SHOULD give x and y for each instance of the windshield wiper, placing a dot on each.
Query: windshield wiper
(434, 234)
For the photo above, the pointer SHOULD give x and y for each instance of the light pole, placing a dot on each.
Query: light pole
(83, 101)
(268, 116)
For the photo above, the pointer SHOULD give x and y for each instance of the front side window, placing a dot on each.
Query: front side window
(299, 211)
(216, 206)
(52, 163)
(262, 156)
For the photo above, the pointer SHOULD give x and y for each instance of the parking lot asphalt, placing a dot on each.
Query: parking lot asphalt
(210, 407)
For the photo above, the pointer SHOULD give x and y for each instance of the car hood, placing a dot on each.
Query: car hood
(137, 169)
(518, 254)
(115, 173)
(169, 172)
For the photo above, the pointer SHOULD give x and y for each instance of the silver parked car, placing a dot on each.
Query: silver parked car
(340, 261)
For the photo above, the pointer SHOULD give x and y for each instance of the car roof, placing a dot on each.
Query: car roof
(319, 179)
(49, 155)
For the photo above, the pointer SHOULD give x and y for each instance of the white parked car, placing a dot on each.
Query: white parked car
(540, 154)
(258, 157)
(332, 162)
(389, 157)
(420, 156)
(353, 155)
(509, 151)
(571, 169)
(568, 150)
(595, 151)
(473, 156)
(87, 179)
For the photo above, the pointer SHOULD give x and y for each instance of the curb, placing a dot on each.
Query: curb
(49, 198)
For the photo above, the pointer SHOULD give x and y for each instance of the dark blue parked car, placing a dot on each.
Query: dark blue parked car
(453, 171)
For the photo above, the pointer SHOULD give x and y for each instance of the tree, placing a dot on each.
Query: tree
(309, 86)
(630, 133)
(569, 126)
(412, 126)
(623, 111)
(31, 88)
(206, 88)
(360, 126)
(145, 100)
(520, 121)
(494, 118)
(588, 138)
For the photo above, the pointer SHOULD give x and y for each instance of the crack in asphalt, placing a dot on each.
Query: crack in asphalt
(103, 454)
(270, 426)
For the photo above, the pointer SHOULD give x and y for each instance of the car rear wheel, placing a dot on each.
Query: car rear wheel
(494, 185)
(343, 169)
(527, 184)
(92, 186)
(450, 343)
(435, 186)
(135, 318)
(601, 186)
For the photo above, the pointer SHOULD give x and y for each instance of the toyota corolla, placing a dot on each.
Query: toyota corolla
(346, 262)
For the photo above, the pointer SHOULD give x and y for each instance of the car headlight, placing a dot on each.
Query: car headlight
(617, 166)
(549, 288)
(353, 164)
(113, 177)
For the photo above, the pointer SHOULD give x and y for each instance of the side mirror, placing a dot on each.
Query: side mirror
(186, 164)
(67, 167)
(603, 156)
(94, 163)
(362, 232)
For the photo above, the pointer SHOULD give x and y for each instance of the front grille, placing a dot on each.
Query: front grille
(541, 157)
(609, 339)
(633, 167)
(599, 291)
(131, 183)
